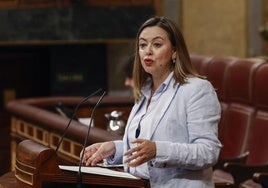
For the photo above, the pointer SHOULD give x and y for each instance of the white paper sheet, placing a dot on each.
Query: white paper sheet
(105, 165)
(98, 171)
(86, 121)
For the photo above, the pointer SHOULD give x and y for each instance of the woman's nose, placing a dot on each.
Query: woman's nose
(149, 49)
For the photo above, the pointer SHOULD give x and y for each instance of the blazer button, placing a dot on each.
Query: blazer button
(151, 164)
(164, 165)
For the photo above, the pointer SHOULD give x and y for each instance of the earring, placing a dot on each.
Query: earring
(173, 61)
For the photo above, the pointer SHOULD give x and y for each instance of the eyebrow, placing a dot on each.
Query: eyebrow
(157, 37)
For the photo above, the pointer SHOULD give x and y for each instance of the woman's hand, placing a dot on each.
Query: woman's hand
(97, 152)
(143, 152)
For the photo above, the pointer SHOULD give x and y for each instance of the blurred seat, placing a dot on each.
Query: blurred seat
(217, 71)
(257, 160)
(238, 116)
(216, 74)
(236, 109)
(200, 62)
(239, 85)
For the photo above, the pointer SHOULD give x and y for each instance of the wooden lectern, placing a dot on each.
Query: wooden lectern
(37, 165)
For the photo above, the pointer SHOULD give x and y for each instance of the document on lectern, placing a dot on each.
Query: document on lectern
(98, 171)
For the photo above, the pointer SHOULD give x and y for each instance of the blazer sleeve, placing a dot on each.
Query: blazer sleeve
(202, 114)
(117, 158)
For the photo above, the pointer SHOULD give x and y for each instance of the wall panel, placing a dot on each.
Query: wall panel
(216, 27)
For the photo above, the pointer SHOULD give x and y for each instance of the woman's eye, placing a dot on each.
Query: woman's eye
(157, 45)
(142, 45)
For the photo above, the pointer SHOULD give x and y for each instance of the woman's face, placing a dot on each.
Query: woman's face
(156, 52)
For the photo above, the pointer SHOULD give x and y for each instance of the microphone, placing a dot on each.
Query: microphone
(79, 175)
(64, 111)
(73, 116)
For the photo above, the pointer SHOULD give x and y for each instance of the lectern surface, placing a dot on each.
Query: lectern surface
(37, 167)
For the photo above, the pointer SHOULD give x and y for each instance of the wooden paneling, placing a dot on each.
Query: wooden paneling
(5, 142)
(43, 3)
(215, 28)
(35, 119)
(68, 3)
(8, 4)
(119, 2)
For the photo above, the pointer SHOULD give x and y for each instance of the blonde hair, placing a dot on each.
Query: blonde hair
(183, 67)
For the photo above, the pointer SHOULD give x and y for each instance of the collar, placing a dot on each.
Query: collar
(146, 89)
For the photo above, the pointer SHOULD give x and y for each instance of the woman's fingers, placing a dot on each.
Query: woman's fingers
(89, 152)
(93, 160)
(97, 152)
(143, 152)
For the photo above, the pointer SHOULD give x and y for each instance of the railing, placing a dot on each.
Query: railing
(37, 120)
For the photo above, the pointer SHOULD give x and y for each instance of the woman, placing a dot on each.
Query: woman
(171, 134)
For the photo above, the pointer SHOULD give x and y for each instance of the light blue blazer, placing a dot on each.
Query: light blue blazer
(185, 132)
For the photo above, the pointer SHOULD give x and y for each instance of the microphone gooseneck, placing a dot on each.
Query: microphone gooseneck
(79, 175)
(73, 115)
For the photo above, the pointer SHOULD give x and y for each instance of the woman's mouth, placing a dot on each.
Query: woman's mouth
(148, 62)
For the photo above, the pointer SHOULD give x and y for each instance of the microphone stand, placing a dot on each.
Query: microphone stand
(79, 175)
(73, 115)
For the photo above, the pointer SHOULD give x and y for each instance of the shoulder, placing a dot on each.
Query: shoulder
(197, 84)
(197, 89)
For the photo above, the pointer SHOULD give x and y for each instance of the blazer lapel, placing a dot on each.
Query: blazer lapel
(163, 104)
(135, 109)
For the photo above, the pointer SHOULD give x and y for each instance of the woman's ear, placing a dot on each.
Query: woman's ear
(174, 55)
